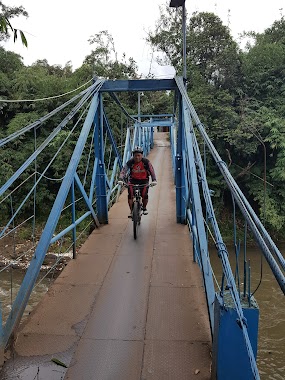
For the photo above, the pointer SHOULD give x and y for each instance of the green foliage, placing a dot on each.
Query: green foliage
(264, 67)
(238, 95)
(6, 28)
(271, 212)
(212, 53)
(104, 59)
(20, 120)
(9, 62)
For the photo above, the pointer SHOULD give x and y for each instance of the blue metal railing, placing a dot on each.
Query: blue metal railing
(96, 186)
(192, 155)
(196, 185)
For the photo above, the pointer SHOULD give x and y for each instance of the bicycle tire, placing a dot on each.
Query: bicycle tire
(135, 219)
(139, 214)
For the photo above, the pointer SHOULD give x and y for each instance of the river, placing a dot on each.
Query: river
(8, 293)
(271, 345)
(271, 302)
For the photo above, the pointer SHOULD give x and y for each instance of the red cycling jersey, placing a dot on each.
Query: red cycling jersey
(138, 171)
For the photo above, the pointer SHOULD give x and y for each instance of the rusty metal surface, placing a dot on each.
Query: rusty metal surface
(168, 271)
(124, 309)
(120, 310)
(175, 314)
(107, 359)
(176, 360)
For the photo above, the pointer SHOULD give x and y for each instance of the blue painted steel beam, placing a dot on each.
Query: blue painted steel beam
(229, 351)
(179, 171)
(173, 147)
(139, 85)
(111, 137)
(86, 199)
(156, 124)
(154, 116)
(249, 215)
(70, 227)
(112, 179)
(44, 242)
(223, 254)
(198, 215)
(73, 219)
(101, 194)
(100, 179)
(92, 185)
(53, 134)
(76, 222)
(262, 237)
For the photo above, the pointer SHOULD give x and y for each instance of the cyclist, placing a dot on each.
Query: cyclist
(137, 171)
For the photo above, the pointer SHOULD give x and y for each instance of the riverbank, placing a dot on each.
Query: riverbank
(16, 253)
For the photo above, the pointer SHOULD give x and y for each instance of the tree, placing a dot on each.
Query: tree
(212, 54)
(6, 14)
(104, 59)
(264, 67)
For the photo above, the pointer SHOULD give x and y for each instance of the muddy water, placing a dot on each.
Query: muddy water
(271, 301)
(10, 282)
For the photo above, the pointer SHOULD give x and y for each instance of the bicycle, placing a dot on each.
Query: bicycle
(137, 206)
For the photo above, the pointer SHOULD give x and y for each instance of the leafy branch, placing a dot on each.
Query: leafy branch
(5, 26)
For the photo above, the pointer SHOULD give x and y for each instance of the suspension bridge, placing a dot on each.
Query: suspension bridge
(150, 308)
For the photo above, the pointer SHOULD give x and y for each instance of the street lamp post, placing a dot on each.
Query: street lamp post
(179, 167)
(176, 4)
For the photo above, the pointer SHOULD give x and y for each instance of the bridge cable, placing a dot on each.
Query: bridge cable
(61, 125)
(36, 123)
(42, 99)
(48, 165)
(35, 187)
(222, 249)
(116, 99)
(62, 255)
(254, 222)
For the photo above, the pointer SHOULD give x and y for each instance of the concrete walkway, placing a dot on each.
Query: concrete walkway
(124, 309)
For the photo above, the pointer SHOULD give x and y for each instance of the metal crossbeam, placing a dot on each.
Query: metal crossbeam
(139, 85)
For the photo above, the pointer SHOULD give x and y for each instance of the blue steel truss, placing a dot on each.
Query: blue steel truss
(193, 206)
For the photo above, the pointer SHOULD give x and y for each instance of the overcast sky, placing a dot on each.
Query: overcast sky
(58, 30)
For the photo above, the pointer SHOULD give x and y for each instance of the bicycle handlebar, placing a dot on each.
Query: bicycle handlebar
(125, 184)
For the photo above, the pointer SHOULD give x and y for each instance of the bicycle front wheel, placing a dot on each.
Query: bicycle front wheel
(135, 219)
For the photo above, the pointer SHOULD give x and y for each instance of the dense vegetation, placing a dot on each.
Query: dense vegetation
(239, 96)
(237, 93)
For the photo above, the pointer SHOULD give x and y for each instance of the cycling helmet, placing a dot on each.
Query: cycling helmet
(137, 149)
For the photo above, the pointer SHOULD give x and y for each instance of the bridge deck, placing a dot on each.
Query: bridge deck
(124, 309)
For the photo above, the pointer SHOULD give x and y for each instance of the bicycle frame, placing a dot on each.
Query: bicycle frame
(137, 206)
(137, 209)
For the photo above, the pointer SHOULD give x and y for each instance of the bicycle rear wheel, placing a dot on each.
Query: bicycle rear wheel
(135, 219)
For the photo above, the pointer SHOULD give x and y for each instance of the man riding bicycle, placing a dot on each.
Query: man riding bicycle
(138, 170)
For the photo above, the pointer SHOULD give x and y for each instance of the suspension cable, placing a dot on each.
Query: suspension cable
(42, 99)
(36, 123)
(220, 245)
(52, 135)
(115, 97)
(38, 180)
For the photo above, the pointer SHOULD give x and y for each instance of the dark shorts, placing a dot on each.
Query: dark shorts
(144, 190)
